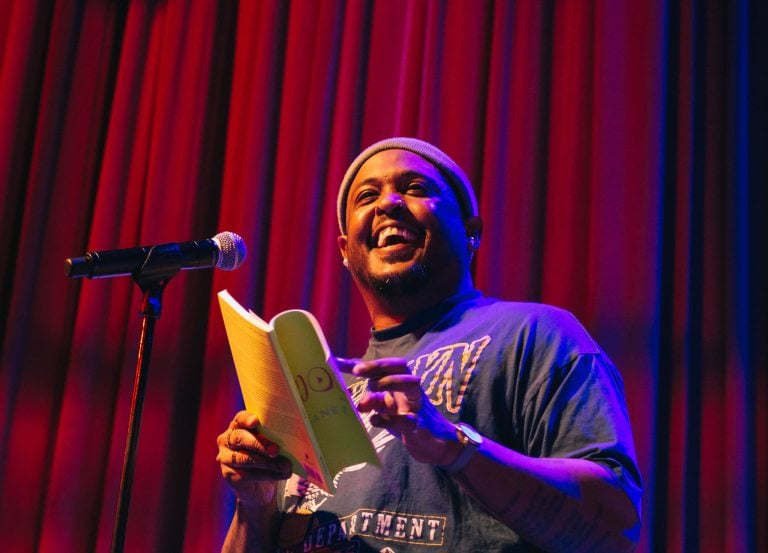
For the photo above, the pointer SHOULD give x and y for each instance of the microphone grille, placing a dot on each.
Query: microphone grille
(232, 250)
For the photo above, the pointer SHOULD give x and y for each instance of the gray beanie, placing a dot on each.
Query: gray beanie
(453, 174)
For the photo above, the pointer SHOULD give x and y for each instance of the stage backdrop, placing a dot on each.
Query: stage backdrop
(618, 149)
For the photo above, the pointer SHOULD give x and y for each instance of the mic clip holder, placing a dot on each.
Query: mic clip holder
(162, 263)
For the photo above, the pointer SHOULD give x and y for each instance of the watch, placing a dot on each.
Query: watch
(470, 439)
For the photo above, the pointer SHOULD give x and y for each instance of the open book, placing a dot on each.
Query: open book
(290, 380)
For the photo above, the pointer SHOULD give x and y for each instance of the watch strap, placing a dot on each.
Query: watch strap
(468, 449)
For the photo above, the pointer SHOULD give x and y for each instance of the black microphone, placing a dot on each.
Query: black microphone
(225, 251)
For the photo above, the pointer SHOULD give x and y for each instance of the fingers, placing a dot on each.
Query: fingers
(398, 404)
(242, 448)
(346, 365)
(242, 433)
(277, 469)
(390, 374)
(392, 388)
(244, 419)
(379, 368)
(259, 466)
(407, 383)
(244, 439)
(379, 402)
(398, 424)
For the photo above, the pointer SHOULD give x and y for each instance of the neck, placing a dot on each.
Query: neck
(386, 312)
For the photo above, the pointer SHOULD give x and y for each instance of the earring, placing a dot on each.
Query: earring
(473, 242)
(345, 263)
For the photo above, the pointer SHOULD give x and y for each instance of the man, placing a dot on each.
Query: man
(499, 426)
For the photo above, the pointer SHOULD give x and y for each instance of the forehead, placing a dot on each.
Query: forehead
(390, 164)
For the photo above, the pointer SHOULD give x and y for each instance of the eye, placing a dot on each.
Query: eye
(366, 196)
(417, 188)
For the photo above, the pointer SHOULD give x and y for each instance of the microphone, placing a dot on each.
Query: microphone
(224, 251)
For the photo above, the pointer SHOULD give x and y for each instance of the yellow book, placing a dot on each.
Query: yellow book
(290, 380)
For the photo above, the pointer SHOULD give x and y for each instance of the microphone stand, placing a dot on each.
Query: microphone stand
(161, 264)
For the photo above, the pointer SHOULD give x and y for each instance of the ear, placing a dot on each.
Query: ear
(473, 227)
(342, 243)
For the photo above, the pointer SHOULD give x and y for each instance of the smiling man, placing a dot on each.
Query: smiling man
(405, 234)
(500, 426)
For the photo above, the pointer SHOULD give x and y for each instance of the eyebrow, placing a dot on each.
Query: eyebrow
(405, 175)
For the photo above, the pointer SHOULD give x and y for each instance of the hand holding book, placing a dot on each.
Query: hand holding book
(291, 382)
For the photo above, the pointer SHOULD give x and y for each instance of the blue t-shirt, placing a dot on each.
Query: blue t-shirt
(527, 376)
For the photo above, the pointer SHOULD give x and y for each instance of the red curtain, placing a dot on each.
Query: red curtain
(619, 153)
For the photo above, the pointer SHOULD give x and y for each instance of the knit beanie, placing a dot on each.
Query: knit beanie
(452, 173)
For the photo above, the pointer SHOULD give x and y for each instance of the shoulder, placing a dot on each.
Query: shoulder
(545, 326)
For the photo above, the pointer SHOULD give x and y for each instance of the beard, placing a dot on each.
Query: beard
(404, 284)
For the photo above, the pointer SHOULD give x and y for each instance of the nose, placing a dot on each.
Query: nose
(389, 203)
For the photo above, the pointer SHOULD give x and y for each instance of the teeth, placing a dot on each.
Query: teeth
(406, 235)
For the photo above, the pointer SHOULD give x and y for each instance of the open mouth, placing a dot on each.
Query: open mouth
(393, 236)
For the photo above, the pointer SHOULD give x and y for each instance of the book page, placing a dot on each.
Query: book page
(266, 391)
(334, 418)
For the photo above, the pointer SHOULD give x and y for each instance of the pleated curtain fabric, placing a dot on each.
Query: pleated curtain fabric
(618, 154)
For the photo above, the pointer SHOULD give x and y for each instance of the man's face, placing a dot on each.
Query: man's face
(404, 226)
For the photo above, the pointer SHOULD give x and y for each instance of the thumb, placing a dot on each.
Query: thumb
(347, 364)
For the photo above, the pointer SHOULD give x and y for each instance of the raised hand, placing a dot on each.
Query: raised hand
(399, 405)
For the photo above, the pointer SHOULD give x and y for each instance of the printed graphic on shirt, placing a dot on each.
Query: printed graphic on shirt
(445, 372)
(445, 376)
(381, 525)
